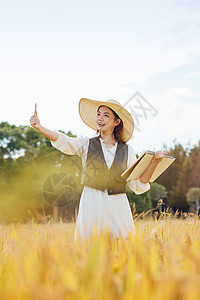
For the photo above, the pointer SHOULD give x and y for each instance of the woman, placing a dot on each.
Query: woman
(105, 157)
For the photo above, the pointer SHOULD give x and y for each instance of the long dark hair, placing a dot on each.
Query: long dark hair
(118, 130)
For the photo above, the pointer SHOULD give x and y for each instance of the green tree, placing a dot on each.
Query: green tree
(142, 201)
(27, 158)
(189, 177)
(193, 195)
(172, 175)
(157, 192)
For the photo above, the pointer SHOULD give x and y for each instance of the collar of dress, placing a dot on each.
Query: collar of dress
(105, 145)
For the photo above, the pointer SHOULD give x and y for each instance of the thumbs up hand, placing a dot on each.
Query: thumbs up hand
(34, 120)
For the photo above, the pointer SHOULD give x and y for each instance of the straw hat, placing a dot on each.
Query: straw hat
(88, 110)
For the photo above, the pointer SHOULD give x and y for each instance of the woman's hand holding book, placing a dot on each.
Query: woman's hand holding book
(158, 156)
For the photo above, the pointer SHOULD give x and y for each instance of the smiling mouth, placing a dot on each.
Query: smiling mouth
(101, 124)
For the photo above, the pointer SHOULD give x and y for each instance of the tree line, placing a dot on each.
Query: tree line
(29, 164)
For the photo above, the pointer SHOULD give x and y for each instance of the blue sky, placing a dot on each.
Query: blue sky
(57, 52)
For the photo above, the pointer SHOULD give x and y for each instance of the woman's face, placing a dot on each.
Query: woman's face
(105, 120)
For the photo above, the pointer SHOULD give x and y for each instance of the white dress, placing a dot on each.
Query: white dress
(97, 208)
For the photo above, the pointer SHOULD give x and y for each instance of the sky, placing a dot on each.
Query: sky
(57, 52)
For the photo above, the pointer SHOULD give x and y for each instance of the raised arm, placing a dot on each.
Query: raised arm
(35, 123)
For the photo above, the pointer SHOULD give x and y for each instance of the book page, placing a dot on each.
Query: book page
(141, 164)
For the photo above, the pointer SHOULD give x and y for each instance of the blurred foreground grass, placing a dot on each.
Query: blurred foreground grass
(162, 261)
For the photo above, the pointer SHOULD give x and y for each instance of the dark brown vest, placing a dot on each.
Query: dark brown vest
(97, 174)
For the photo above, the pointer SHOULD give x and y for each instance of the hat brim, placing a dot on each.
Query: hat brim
(88, 110)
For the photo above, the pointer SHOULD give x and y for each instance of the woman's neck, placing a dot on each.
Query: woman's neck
(107, 138)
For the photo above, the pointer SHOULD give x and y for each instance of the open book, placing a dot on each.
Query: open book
(140, 165)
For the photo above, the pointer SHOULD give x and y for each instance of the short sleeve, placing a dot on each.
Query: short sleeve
(135, 185)
(71, 145)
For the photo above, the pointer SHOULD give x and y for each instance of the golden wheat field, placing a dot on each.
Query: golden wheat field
(161, 261)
